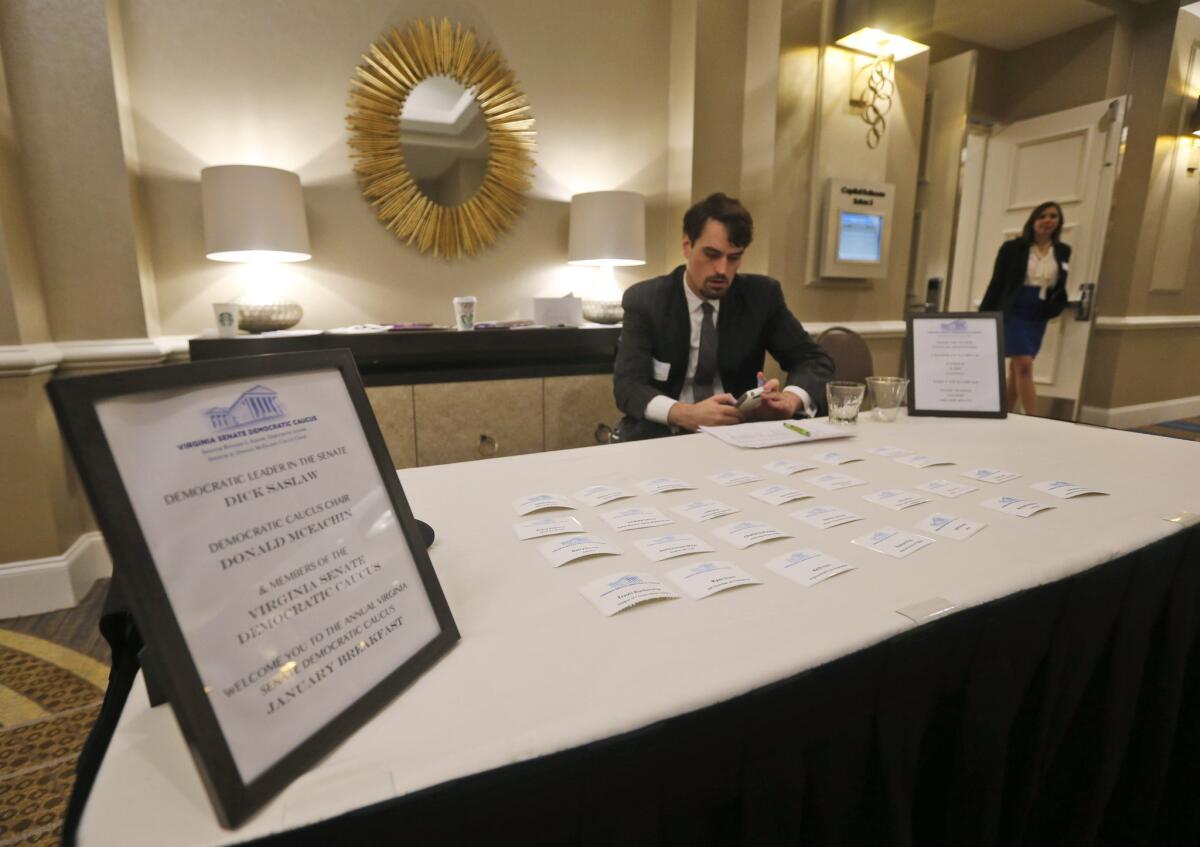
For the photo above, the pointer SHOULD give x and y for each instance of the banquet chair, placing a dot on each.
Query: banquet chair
(850, 354)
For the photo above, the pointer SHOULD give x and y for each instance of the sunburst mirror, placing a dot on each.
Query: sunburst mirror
(442, 139)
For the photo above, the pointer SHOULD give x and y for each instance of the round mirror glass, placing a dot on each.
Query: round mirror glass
(445, 140)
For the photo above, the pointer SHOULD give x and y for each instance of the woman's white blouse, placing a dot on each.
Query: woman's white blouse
(1042, 271)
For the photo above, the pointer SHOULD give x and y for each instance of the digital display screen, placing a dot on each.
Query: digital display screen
(860, 237)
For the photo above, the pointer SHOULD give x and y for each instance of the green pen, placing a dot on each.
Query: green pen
(800, 430)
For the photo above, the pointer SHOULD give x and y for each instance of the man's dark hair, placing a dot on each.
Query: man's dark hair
(728, 211)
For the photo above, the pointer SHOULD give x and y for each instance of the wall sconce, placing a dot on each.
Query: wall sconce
(875, 99)
(608, 230)
(256, 214)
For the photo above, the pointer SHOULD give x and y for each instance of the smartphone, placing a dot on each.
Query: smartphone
(749, 401)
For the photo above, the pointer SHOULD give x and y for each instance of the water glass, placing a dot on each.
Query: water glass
(887, 393)
(844, 399)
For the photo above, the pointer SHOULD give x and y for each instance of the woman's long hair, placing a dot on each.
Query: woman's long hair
(1027, 232)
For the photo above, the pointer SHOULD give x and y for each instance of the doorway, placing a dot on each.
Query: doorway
(1070, 157)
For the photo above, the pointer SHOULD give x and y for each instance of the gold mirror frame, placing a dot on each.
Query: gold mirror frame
(395, 65)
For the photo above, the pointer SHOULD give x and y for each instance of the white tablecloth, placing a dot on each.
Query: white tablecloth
(539, 670)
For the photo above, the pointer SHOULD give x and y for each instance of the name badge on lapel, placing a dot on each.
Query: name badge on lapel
(662, 370)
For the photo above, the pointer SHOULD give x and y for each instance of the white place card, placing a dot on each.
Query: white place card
(824, 517)
(919, 460)
(563, 550)
(889, 452)
(551, 525)
(705, 510)
(743, 534)
(537, 502)
(707, 578)
(947, 487)
(945, 526)
(893, 542)
(1016, 506)
(598, 495)
(634, 517)
(927, 610)
(730, 478)
(995, 477)
(807, 567)
(1058, 488)
(787, 467)
(833, 457)
(895, 498)
(661, 484)
(618, 591)
(834, 481)
(777, 495)
(670, 546)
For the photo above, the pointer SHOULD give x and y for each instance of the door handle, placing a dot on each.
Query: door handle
(1087, 296)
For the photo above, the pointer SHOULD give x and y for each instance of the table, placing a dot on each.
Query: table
(1059, 704)
(428, 356)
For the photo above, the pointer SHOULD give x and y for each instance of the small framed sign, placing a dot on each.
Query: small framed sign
(273, 565)
(956, 364)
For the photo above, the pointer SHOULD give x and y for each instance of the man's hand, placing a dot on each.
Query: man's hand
(776, 405)
(718, 410)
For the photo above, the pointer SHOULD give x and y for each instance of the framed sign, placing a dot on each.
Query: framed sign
(272, 563)
(956, 364)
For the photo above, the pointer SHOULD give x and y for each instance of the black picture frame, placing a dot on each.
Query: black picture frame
(914, 373)
(168, 659)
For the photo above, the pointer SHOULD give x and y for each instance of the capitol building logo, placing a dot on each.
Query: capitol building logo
(256, 404)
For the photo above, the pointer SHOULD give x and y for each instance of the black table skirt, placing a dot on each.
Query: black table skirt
(1067, 714)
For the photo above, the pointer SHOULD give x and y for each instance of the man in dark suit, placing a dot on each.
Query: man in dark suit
(695, 339)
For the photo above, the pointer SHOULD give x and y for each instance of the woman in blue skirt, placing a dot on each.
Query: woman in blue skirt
(1029, 285)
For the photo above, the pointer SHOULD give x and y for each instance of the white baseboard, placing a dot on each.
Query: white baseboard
(35, 586)
(1127, 417)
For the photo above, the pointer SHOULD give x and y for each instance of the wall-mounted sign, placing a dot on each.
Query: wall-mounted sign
(856, 229)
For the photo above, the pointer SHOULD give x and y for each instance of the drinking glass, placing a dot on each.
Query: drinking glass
(844, 399)
(887, 393)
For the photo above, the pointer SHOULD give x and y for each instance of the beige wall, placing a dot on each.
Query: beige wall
(266, 83)
(819, 135)
(42, 507)
(1126, 368)
(22, 309)
(1060, 72)
(1152, 254)
(60, 82)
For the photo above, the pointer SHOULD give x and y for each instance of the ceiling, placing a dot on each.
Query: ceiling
(1013, 24)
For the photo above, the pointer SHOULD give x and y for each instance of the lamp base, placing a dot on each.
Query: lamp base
(268, 317)
(603, 311)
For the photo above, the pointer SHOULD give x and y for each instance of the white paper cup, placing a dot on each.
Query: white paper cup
(464, 313)
(226, 315)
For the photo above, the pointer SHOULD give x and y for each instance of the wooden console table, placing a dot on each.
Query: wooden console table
(418, 357)
(443, 396)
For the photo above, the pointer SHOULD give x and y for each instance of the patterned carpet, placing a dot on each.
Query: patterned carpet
(1187, 428)
(53, 672)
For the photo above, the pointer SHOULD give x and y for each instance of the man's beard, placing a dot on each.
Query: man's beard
(716, 293)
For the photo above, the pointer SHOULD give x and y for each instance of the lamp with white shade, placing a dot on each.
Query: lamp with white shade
(608, 230)
(255, 214)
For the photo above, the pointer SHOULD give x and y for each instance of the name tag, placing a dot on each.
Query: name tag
(662, 370)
